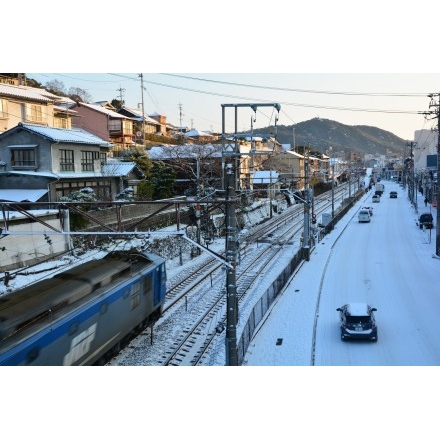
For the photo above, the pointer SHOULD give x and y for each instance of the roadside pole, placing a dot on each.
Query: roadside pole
(231, 278)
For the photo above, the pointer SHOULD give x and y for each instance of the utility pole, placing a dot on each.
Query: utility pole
(198, 206)
(332, 163)
(231, 279)
(231, 184)
(349, 181)
(270, 193)
(435, 104)
(233, 151)
(294, 140)
(411, 183)
(181, 117)
(306, 247)
(121, 97)
(143, 109)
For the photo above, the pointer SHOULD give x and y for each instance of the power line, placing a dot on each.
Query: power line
(354, 109)
(284, 89)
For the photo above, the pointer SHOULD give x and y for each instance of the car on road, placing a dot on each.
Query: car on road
(393, 195)
(375, 198)
(357, 321)
(426, 220)
(364, 216)
(369, 209)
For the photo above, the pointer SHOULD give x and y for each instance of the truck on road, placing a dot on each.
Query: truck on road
(379, 189)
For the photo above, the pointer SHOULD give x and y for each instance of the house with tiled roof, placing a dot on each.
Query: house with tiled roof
(51, 163)
(31, 105)
(142, 122)
(197, 136)
(107, 124)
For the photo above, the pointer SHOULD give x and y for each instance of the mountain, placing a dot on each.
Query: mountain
(327, 136)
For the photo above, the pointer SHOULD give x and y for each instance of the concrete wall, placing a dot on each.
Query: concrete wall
(17, 251)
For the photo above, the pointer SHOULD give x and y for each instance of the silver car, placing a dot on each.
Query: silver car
(364, 216)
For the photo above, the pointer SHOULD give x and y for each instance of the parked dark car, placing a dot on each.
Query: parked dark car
(357, 321)
(393, 195)
(426, 220)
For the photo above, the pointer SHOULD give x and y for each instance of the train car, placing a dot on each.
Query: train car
(82, 315)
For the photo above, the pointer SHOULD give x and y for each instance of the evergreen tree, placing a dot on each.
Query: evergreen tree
(145, 191)
(163, 178)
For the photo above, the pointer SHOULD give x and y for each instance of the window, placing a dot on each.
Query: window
(103, 157)
(127, 127)
(102, 188)
(61, 122)
(135, 301)
(87, 160)
(136, 287)
(3, 108)
(23, 158)
(114, 125)
(66, 160)
(357, 319)
(34, 113)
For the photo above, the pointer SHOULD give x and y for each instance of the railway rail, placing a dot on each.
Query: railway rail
(199, 301)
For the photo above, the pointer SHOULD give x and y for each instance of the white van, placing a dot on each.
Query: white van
(364, 216)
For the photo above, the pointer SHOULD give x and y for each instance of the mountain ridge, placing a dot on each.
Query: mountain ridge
(333, 137)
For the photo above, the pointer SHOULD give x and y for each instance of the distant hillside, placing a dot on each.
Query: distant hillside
(322, 134)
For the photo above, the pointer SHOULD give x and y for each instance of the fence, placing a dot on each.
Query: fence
(262, 306)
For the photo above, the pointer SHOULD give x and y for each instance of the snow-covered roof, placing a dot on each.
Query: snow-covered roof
(265, 177)
(118, 168)
(65, 108)
(294, 153)
(197, 133)
(101, 109)
(357, 309)
(182, 151)
(63, 135)
(25, 92)
(22, 195)
(138, 113)
(111, 169)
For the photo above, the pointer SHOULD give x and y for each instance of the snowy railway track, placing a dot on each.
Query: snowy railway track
(200, 318)
(203, 312)
(191, 347)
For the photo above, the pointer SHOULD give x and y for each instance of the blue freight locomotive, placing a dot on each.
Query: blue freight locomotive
(84, 314)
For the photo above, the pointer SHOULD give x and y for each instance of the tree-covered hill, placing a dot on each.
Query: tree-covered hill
(326, 136)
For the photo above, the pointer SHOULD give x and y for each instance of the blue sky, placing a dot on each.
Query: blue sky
(343, 44)
(390, 101)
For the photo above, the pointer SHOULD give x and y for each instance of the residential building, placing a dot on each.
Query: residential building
(165, 128)
(30, 105)
(45, 163)
(105, 123)
(249, 154)
(141, 123)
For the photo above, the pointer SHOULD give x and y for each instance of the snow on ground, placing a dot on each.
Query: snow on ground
(22, 277)
(264, 401)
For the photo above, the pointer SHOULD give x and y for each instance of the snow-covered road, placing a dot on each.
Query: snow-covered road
(388, 263)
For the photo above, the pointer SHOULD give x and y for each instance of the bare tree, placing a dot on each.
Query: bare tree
(200, 164)
(79, 95)
(56, 87)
